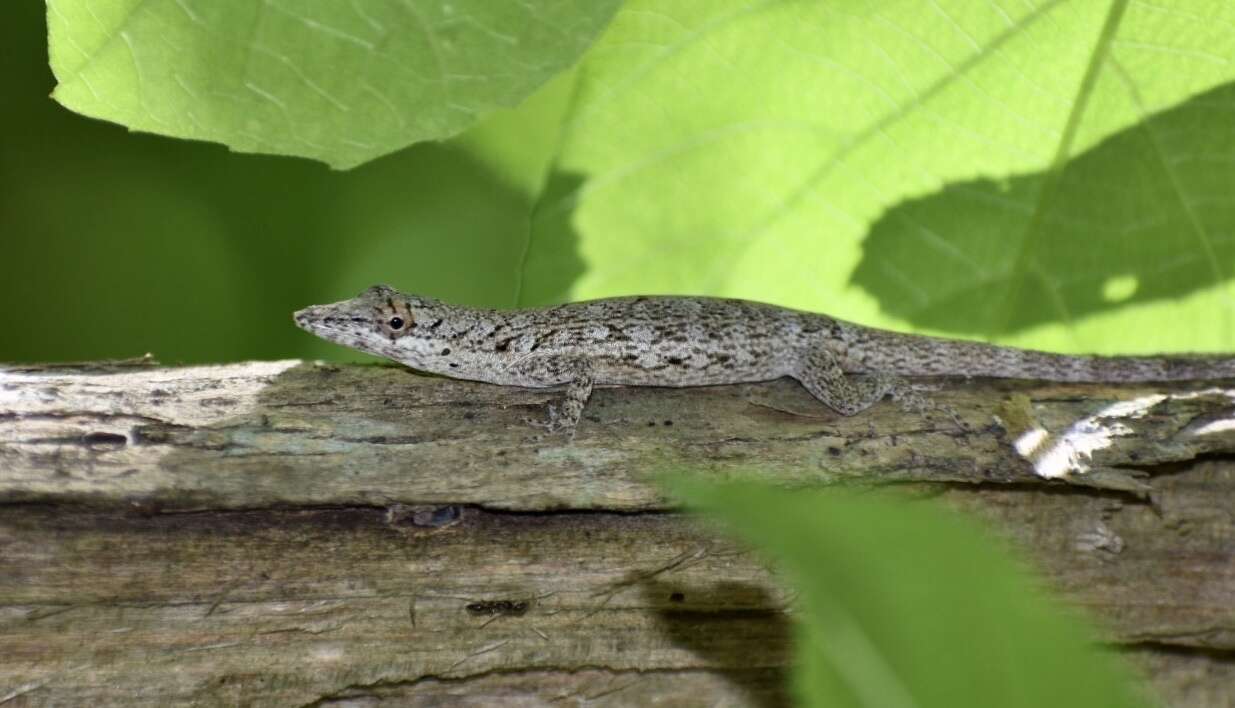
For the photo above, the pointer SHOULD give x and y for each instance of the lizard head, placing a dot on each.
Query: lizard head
(384, 322)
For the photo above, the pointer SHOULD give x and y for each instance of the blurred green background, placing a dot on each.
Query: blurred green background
(118, 243)
(1058, 176)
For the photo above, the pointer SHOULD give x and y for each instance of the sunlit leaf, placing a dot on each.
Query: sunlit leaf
(959, 167)
(342, 81)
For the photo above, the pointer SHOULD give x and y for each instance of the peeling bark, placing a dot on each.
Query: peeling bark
(287, 532)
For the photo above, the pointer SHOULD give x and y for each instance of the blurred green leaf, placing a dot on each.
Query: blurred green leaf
(903, 604)
(748, 149)
(334, 80)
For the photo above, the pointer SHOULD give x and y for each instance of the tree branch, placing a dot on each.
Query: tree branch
(293, 532)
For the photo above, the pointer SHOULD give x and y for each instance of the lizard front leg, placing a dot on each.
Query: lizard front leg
(555, 370)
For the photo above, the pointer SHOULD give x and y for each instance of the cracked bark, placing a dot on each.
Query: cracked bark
(275, 533)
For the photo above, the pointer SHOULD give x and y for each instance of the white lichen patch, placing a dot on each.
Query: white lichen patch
(1069, 453)
(1029, 441)
(1218, 425)
(194, 396)
(86, 421)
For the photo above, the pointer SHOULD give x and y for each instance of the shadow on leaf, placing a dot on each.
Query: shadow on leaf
(1144, 215)
(552, 263)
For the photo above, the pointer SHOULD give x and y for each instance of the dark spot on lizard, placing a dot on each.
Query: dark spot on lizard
(676, 361)
(503, 344)
(631, 357)
(436, 323)
(544, 337)
(454, 365)
(446, 351)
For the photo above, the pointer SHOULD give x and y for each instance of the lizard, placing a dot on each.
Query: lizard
(695, 341)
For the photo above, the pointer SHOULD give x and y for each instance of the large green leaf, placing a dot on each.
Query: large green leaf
(1053, 173)
(342, 81)
(902, 604)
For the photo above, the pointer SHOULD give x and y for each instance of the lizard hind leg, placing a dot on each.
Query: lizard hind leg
(821, 374)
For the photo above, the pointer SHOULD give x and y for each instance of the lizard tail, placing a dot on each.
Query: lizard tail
(917, 355)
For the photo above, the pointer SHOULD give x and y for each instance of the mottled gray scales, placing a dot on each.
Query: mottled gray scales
(692, 341)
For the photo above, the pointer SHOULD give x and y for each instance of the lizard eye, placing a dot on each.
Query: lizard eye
(396, 323)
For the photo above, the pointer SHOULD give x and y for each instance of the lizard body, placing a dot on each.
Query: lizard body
(692, 341)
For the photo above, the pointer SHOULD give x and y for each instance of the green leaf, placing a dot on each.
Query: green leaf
(342, 81)
(1057, 174)
(902, 604)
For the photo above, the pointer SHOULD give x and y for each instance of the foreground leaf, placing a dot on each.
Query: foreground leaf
(342, 81)
(905, 605)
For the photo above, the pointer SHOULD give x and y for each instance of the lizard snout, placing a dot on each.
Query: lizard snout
(308, 316)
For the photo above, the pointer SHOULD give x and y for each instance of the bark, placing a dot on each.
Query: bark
(296, 533)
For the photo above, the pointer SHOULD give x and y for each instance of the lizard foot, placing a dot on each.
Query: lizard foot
(557, 423)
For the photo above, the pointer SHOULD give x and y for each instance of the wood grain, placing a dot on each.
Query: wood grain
(295, 533)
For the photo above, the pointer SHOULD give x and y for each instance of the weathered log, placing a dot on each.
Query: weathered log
(287, 532)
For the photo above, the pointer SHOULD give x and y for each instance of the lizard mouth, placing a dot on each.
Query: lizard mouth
(334, 324)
